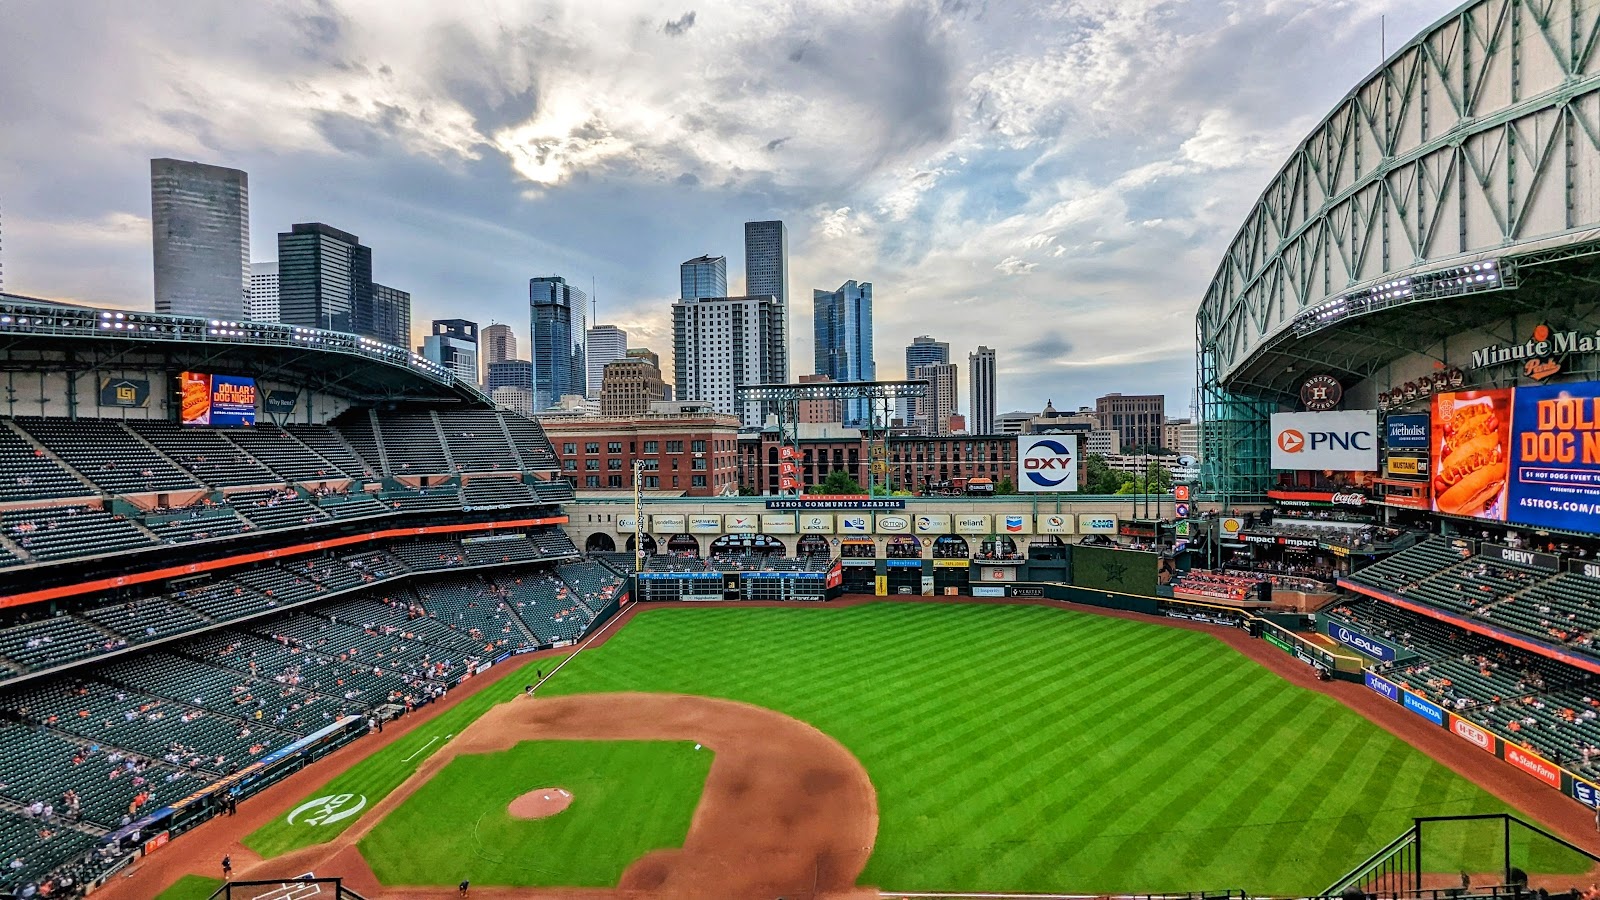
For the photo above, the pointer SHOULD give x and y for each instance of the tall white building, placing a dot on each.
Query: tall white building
(720, 343)
(261, 304)
(981, 382)
(200, 235)
(606, 345)
(939, 404)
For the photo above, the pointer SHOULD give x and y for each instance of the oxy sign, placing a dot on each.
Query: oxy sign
(1047, 463)
(1326, 441)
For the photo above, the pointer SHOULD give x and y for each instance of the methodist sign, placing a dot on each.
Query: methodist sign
(1047, 463)
(1326, 441)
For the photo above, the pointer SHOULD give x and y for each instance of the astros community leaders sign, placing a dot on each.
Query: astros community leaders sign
(1047, 463)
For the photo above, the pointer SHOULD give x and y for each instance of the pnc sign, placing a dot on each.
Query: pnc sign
(1326, 441)
(1047, 463)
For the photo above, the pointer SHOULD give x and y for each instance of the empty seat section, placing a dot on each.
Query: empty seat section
(54, 640)
(331, 446)
(196, 523)
(547, 604)
(278, 508)
(496, 492)
(476, 441)
(290, 459)
(353, 505)
(411, 443)
(430, 499)
(204, 452)
(554, 490)
(530, 442)
(356, 430)
(471, 606)
(102, 451)
(58, 532)
(27, 474)
(145, 619)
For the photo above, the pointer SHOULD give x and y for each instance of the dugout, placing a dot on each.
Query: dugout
(904, 576)
(951, 576)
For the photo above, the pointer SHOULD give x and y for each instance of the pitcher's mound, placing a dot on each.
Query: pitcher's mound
(540, 804)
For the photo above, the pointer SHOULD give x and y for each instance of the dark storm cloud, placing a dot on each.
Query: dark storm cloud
(1048, 346)
(680, 25)
(775, 143)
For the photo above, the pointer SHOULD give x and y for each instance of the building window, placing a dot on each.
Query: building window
(614, 447)
(698, 446)
(614, 481)
(674, 480)
(591, 465)
(592, 447)
(652, 446)
(699, 465)
(652, 481)
(614, 464)
(674, 446)
(569, 448)
(591, 481)
(570, 465)
(699, 481)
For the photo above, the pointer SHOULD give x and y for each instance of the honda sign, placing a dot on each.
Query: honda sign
(1047, 463)
(1326, 441)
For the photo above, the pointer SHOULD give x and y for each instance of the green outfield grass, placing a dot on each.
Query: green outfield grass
(380, 773)
(628, 798)
(191, 887)
(1030, 748)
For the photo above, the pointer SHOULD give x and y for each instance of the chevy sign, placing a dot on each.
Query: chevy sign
(1326, 441)
(1047, 463)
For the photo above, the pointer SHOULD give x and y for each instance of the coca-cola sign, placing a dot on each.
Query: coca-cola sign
(1348, 498)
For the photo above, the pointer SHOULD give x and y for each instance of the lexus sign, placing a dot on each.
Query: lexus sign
(1326, 441)
(1047, 463)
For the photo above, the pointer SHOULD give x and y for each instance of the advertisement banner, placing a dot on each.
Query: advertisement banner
(821, 501)
(949, 564)
(855, 524)
(1088, 524)
(1409, 467)
(1360, 642)
(1056, 523)
(705, 524)
(1014, 523)
(1424, 708)
(666, 524)
(1549, 562)
(124, 393)
(195, 400)
(979, 590)
(233, 401)
(1326, 441)
(1470, 452)
(933, 524)
(741, 524)
(1406, 432)
(1047, 463)
(895, 524)
(1383, 686)
(1534, 764)
(1472, 734)
(625, 524)
(1585, 793)
(779, 523)
(1231, 526)
(1556, 476)
(280, 403)
(972, 524)
(816, 524)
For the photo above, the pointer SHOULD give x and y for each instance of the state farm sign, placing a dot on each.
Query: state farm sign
(1047, 463)
(1326, 441)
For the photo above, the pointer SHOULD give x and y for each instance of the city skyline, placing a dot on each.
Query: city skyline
(1070, 169)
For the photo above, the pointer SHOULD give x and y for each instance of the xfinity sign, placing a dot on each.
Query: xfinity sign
(1047, 463)
(1326, 441)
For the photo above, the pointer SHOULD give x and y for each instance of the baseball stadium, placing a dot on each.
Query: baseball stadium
(291, 613)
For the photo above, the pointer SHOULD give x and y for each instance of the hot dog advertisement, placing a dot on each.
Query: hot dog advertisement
(1527, 455)
(1471, 453)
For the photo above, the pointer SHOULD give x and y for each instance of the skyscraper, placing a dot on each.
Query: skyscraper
(498, 343)
(843, 327)
(703, 276)
(200, 232)
(721, 343)
(557, 332)
(388, 317)
(935, 410)
(606, 345)
(981, 380)
(922, 351)
(454, 345)
(262, 303)
(766, 260)
(324, 277)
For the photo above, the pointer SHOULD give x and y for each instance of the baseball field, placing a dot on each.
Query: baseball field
(1020, 748)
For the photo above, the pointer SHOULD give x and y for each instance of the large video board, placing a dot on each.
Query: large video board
(223, 401)
(1527, 455)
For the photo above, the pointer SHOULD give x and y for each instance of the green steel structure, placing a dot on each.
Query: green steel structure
(1456, 187)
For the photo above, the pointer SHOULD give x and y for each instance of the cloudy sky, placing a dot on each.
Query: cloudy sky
(1054, 179)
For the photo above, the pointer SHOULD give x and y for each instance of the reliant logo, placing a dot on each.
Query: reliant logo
(328, 809)
(1291, 441)
(1048, 463)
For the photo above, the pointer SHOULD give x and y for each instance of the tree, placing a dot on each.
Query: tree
(1005, 486)
(838, 481)
(1100, 478)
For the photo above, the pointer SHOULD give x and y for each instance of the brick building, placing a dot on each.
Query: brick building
(1138, 419)
(916, 463)
(695, 454)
